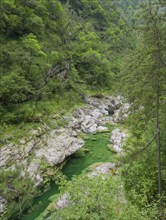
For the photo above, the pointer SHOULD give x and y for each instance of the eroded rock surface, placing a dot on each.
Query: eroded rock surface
(103, 168)
(3, 203)
(57, 146)
(117, 140)
(96, 113)
(63, 201)
(122, 113)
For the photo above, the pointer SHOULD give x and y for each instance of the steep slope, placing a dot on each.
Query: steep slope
(49, 47)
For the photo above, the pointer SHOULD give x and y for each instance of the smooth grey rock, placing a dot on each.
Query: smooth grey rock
(96, 109)
(100, 104)
(118, 101)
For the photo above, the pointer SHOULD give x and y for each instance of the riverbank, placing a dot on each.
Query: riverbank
(96, 151)
(39, 156)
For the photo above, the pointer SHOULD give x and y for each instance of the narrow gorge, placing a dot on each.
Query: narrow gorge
(82, 110)
(39, 156)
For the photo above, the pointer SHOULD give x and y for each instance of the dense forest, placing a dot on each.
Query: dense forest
(52, 54)
(48, 48)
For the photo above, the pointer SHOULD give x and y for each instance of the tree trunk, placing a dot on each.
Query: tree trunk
(158, 145)
(158, 152)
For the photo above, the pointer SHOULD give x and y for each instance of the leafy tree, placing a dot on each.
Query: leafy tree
(144, 76)
(16, 188)
(18, 92)
(99, 197)
(39, 35)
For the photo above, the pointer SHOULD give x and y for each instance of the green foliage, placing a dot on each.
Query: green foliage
(17, 92)
(15, 188)
(100, 197)
(37, 39)
(143, 72)
(25, 54)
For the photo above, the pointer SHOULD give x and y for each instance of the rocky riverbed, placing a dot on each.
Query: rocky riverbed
(52, 146)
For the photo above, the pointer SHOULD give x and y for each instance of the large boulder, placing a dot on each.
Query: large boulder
(102, 129)
(89, 118)
(86, 120)
(51, 148)
(99, 103)
(117, 140)
(88, 125)
(102, 168)
(56, 147)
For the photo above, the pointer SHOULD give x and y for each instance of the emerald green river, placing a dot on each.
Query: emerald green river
(95, 150)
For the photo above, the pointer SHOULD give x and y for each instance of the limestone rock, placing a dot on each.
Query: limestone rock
(63, 201)
(33, 170)
(117, 140)
(86, 120)
(91, 116)
(98, 103)
(88, 125)
(102, 129)
(95, 113)
(122, 113)
(3, 203)
(56, 147)
(103, 168)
